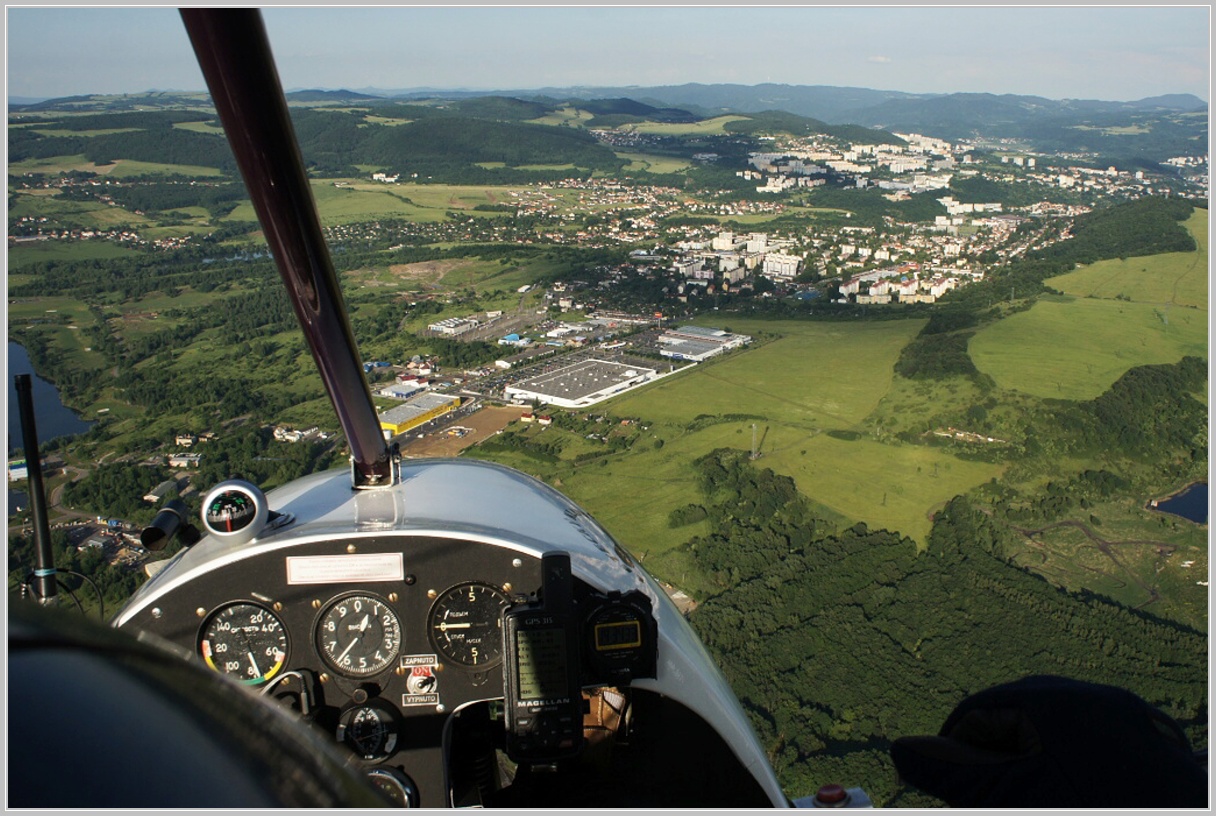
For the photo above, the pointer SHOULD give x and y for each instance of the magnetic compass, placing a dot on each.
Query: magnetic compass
(235, 511)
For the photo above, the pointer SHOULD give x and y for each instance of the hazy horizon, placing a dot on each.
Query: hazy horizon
(1113, 53)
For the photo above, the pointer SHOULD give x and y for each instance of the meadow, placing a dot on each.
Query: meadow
(127, 168)
(32, 252)
(715, 126)
(1074, 348)
(61, 323)
(563, 116)
(73, 214)
(351, 201)
(645, 162)
(1113, 316)
(1175, 278)
(803, 394)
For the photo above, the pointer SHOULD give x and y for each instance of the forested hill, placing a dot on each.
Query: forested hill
(481, 139)
(840, 641)
(428, 141)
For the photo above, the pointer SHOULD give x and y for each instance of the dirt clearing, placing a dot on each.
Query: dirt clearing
(482, 425)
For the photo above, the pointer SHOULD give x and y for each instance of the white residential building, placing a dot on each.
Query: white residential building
(780, 265)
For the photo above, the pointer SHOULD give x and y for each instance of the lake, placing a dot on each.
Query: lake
(1191, 504)
(52, 419)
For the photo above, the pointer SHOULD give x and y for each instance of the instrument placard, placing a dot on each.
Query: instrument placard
(337, 569)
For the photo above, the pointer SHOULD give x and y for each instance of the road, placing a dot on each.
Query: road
(56, 512)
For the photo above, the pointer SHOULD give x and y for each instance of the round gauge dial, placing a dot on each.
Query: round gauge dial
(465, 625)
(235, 511)
(395, 785)
(245, 641)
(359, 635)
(369, 730)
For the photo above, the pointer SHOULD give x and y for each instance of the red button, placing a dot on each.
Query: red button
(831, 794)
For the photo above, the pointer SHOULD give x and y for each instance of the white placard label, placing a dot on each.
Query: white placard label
(338, 569)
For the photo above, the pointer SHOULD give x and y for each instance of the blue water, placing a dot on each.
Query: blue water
(52, 419)
(1191, 504)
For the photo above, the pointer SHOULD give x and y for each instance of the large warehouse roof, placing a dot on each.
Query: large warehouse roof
(582, 383)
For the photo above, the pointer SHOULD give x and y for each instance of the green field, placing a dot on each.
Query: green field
(564, 116)
(125, 168)
(808, 377)
(350, 201)
(652, 164)
(455, 196)
(813, 379)
(54, 164)
(1074, 348)
(64, 212)
(199, 127)
(715, 126)
(1115, 315)
(32, 252)
(1176, 278)
(60, 321)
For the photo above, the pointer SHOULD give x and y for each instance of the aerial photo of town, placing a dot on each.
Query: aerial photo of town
(900, 359)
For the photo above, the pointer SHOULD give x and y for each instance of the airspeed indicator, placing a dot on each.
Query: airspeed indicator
(245, 641)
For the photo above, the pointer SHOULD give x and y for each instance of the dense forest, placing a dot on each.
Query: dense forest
(840, 640)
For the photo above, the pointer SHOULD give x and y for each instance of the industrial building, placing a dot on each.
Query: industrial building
(580, 384)
(454, 325)
(697, 344)
(417, 411)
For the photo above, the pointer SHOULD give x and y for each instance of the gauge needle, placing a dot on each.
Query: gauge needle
(362, 627)
(347, 649)
(444, 626)
(256, 671)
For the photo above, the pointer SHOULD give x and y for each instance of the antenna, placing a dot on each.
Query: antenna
(754, 454)
(234, 54)
(45, 582)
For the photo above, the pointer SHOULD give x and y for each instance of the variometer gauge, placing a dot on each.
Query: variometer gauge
(465, 625)
(358, 635)
(245, 641)
(235, 511)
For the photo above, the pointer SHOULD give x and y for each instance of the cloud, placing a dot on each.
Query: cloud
(879, 60)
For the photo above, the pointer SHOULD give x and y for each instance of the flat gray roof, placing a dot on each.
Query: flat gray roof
(582, 379)
(692, 347)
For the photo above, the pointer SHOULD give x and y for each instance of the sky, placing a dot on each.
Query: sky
(1112, 53)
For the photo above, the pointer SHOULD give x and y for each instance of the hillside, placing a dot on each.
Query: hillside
(1149, 130)
(1155, 128)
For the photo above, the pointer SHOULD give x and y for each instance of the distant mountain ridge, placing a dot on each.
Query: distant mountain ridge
(1140, 133)
(828, 103)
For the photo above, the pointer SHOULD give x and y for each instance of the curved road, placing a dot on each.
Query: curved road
(56, 512)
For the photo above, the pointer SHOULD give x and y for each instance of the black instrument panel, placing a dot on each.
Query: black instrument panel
(379, 641)
(375, 640)
(363, 614)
